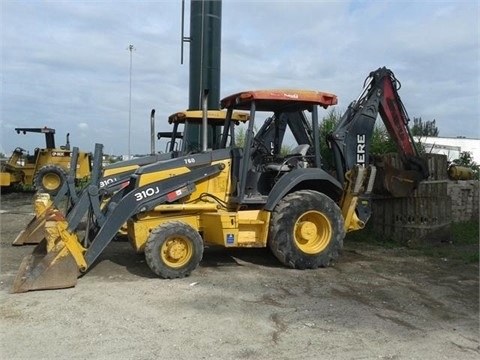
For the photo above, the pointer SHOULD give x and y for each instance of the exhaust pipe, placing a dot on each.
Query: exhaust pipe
(152, 132)
(205, 121)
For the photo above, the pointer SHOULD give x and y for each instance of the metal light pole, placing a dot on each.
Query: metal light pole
(130, 48)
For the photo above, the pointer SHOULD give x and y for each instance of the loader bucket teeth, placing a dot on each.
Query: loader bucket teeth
(55, 269)
(33, 233)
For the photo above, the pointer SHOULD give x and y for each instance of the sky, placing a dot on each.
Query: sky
(66, 64)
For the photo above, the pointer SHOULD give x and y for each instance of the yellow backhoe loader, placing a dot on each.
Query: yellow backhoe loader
(250, 196)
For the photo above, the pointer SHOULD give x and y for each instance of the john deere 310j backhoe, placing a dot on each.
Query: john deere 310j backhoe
(253, 196)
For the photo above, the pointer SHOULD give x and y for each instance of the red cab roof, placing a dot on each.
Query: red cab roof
(271, 99)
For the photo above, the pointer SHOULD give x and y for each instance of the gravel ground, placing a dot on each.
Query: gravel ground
(374, 303)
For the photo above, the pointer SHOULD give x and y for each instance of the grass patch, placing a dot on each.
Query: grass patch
(368, 236)
(463, 247)
(466, 233)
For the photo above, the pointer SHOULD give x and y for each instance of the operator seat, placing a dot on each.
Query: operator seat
(293, 160)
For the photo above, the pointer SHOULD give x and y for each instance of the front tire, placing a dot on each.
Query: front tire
(173, 250)
(49, 179)
(307, 230)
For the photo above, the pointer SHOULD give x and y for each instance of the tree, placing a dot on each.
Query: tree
(381, 143)
(427, 128)
(326, 127)
(240, 135)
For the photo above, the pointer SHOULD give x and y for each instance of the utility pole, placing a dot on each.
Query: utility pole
(131, 48)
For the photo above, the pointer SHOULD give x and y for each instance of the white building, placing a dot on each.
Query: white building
(452, 147)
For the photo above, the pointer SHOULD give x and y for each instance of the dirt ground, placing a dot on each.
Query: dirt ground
(375, 303)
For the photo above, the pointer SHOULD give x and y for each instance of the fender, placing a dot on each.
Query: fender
(295, 178)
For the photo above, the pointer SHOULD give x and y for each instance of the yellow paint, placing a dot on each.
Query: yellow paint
(176, 252)
(42, 203)
(139, 230)
(312, 232)
(349, 202)
(236, 229)
(58, 237)
(114, 171)
(5, 179)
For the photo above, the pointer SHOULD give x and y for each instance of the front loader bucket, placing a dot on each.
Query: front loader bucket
(55, 261)
(35, 230)
(55, 269)
(33, 233)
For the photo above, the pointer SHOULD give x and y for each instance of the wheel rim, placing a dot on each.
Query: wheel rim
(176, 252)
(51, 181)
(312, 232)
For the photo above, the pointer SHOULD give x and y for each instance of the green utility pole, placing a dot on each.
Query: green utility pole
(205, 56)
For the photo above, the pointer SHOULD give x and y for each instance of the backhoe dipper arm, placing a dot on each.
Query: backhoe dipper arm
(351, 139)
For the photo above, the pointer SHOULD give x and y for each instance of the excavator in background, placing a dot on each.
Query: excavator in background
(47, 168)
(117, 175)
(250, 196)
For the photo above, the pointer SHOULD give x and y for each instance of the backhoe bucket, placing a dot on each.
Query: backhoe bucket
(35, 230)
(54, 261)
(399, 183)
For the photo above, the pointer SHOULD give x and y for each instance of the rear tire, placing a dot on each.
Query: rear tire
(49, 179)
(173, 250)
(307, 230)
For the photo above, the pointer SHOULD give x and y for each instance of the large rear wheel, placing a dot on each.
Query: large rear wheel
(307, 230)
(173, 250)
(49, 179)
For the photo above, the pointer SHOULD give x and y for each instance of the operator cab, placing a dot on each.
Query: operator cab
(287, 141)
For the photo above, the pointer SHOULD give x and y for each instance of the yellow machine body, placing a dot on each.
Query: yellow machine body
(219, 226)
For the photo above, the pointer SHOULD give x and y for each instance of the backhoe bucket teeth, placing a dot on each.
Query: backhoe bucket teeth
(55, 261)
(55, 269)
(35, 230)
